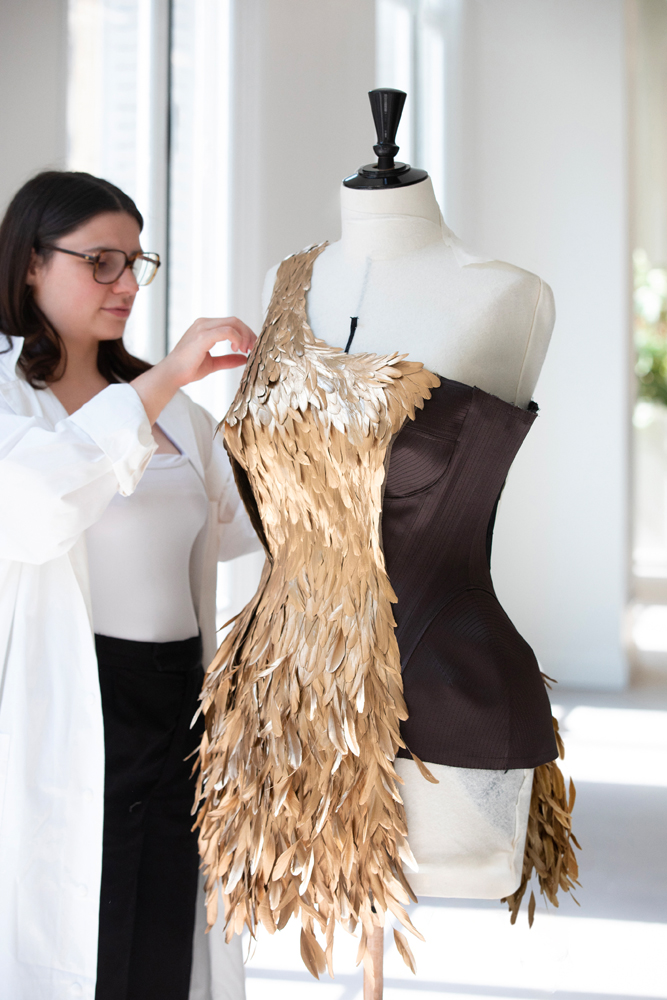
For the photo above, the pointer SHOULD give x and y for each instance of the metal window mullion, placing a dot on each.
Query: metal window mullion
(152, 159)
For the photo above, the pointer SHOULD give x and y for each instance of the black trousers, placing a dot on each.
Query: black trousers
(149, 859)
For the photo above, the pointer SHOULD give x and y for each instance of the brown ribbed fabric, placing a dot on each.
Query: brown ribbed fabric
(472, 684)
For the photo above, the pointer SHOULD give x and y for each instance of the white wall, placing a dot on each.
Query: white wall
(33, 85)
(538, 177)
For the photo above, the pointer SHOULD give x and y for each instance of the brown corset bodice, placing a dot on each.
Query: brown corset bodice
(472, 684)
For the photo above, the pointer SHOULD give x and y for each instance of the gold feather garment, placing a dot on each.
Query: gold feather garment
(300, 809)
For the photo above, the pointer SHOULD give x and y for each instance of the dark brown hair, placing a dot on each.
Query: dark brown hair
(51, 205)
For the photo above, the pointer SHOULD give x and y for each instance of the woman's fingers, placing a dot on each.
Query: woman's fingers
(227, 361)
(191, 359)
(230, 328)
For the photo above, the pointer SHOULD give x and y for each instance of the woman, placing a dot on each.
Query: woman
(116, 502)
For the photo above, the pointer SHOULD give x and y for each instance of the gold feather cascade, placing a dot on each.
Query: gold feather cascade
(550, 842)
(300, 811)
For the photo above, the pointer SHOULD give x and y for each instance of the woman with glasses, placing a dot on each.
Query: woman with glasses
(116, 503)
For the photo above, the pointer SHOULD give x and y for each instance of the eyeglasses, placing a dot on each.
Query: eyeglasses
(108, 265)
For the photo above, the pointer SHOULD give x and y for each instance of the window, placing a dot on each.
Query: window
(413, 37)
(149, 109)
(199, 178)
(649, 522)
(118, 126)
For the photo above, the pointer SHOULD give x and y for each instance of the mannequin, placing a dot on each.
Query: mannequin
(414, 288)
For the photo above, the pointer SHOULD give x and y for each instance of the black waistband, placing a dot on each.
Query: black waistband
(166, 657)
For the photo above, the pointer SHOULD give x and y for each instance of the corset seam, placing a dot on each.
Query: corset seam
(433, 437)
(441, 607)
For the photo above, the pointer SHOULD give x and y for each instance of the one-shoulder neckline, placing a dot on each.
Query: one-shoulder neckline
(532, 408)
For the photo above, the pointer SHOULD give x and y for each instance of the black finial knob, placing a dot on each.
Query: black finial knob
(387, 107)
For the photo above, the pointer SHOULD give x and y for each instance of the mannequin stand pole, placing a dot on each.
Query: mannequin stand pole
(373, 973)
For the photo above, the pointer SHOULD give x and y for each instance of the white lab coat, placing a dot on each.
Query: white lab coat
(57, 475)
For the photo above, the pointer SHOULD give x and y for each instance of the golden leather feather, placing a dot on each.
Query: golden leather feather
(550, 842)
(300, 808)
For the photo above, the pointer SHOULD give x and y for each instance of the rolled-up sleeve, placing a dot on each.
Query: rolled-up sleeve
(57, 481)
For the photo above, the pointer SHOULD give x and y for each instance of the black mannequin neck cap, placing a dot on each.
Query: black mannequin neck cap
(387, 108)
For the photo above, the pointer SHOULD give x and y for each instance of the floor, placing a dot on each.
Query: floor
(614, 945)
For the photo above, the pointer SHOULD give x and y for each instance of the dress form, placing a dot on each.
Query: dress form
(414, 288)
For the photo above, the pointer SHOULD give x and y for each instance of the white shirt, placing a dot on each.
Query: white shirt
(58, 474)
(139, 555)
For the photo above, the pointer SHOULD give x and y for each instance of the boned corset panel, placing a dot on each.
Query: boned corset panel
(472, 684)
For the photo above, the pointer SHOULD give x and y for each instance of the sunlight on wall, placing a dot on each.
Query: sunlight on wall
(620, 746)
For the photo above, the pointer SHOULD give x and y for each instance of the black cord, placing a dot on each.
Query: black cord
(353, 327)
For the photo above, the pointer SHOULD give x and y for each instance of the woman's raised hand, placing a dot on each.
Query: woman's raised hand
(191, 360)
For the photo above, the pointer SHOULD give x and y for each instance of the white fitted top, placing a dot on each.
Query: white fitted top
(139, 555)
